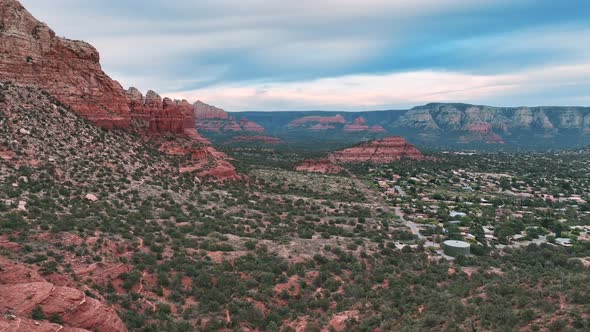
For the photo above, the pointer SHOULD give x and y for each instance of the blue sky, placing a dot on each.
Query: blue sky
(338, 54)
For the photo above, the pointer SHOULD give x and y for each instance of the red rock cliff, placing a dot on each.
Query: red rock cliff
(31, 54)
(379, 151)
(22, 289)
(212, 119)
(204, 111)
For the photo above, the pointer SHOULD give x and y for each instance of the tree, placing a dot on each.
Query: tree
(37, 313)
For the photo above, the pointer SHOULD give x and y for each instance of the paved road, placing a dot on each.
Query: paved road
(414, 228)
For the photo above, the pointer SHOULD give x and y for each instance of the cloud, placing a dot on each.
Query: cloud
(395, 90)
(331, 53)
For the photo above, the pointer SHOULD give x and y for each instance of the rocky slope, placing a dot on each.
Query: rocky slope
(23, 289)
(379, 151)
(32, 55)
(212, 119)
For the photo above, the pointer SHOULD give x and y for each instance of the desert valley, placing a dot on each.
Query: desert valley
(123, 210)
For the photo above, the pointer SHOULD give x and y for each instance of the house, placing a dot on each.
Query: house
(454, 214)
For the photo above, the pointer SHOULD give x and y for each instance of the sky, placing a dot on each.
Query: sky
(342, 55)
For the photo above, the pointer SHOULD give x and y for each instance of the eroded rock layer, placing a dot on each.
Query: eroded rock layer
(212, 119)
(31, 54)
(379, 151)
(23, 290)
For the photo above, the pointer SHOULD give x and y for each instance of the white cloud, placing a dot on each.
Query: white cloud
(366, 92)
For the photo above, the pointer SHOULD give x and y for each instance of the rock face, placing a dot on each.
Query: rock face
(358, 125)
(212, 119)
(334, 124)
(208, 112)
(495, 124)
(323, 166)
(161, 116)
(379, 151)
(377, 129)
(22, 289)
(313, 120)
(31, 54)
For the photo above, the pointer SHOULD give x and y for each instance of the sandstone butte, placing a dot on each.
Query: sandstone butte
(379, 151)
(323, 123)
(324, 120)
(31, 54)
(22, 289)
(212, 119)
(323, 166)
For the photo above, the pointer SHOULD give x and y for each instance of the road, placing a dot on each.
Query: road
(413, 228)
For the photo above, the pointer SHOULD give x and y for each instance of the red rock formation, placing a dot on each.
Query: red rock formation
(31, 54)
(205, 161)
(380, 151)
(13, 323)
(257, 138)
(377, 129)
(251, 126)
(323, 166)
(336, 119)
(321, 127)
(232, 125)
(213, 119)
(359, 124)
(159, 116)
(481, 132)
(208, 112)
(22, 289)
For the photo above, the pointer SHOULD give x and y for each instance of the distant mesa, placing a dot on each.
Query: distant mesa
(212, 119)
(380, 151)
(377, 129)
(208, 112)
(323, 120)
(315, 123)
(358, 125)
(323, 166)
(494, 125)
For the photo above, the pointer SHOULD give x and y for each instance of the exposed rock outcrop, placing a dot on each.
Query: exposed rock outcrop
(488, 124)
(323, 166)
(22, 290)
(359, 124)
(336, 119)
(377, 129)
(208, 112)
(379, 151)
(161, 116)
(212, 119)
(31, 54)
